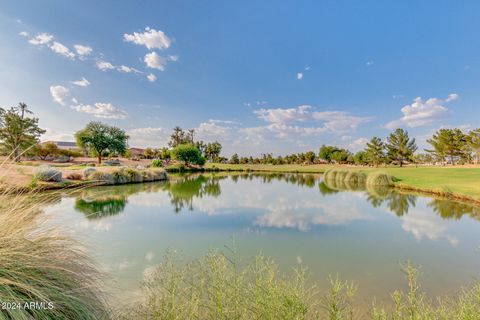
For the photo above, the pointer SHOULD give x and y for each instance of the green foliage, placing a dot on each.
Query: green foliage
(361, 158)
(101, 138)
(156, 163)
(18, 132)
(451, 143)
(234, 159)
(212, 150)
(375, 151)
(44, 150)
(400, 147)
(189, 154)
(180, 136)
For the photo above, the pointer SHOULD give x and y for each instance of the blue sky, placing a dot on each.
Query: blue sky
(259, 76)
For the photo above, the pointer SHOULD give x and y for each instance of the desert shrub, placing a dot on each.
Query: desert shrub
(99, 176)
(88, 172)
(120, 177)
(177, 167)
(147, 175)
(75, 176)
(159, 175)
(189, 154)
(379, 179)
(134, 175)
(46, 173)
(156, 163)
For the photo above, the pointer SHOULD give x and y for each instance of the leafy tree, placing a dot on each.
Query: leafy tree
(148, 153)
(164, 154)
(43, 150)
(361, 158)
(101, 138)
(17, 131)
(400, 147)
(310, 156)
(188, 153)
(341, 156)
(450, 143)
(180, 136)
(234, 159)
(375, 151)
(212, 150)
(326, 152)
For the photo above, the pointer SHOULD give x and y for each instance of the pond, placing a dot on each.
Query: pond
(361, 235)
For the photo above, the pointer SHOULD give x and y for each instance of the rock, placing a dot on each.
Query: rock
(112, 162)
(62, 159)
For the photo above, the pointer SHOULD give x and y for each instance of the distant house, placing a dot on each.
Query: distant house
(65, 145)
(136, 152)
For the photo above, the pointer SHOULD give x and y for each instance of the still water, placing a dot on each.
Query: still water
(361, 235)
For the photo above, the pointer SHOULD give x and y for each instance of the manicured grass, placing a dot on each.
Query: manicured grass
(459, 181)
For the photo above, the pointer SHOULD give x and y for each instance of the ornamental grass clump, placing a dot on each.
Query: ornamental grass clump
(379, 179)
(44, 274)
(101, 177)
(134, 175)
(47, 174)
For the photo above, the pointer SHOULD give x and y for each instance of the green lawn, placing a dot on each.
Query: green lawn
(457, 180)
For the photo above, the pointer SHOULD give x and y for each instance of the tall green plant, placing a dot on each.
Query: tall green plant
(400, 147)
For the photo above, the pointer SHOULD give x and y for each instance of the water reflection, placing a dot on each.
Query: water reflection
(97, 203)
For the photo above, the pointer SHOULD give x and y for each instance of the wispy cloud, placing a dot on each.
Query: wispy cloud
(150, 38)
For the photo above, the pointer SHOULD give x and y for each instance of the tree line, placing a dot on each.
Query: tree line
(20, 133)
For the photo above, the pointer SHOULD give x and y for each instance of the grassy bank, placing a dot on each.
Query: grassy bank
(451, 182)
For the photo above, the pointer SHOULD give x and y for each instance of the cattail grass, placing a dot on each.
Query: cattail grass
(42, 270)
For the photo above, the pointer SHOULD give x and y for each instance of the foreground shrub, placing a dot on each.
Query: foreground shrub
(217, 287)
(379, 179)
(48, 174)
(42, 265)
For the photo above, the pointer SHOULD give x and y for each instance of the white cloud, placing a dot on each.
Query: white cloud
(41, 38)
(101, 110)
(104, 65)
(81, 83)
(151, 39)
(59, 48)
(299, 76)
(127, 69)
(24, 34)
(54, 135)
(148, 137)
(336, 121)
(422, 113)
(82, 50)
(173, 58)
(153, 60)
(369, 63)
(151, 77)
(59, 94)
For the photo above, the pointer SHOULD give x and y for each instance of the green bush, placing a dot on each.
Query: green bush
(120, 177)
(189, 154)
(134, 175)
(156, 163)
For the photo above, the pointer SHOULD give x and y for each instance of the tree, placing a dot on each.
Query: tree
(188, 153)
(43, 150)
(326, 152)
(102, 138)
(361, 158)
(449, 142)
(234, 159)
(212, 150)
(17, 131)
(474, 143)
(310, 156)
(164, 153)
(375, 151)
(180, 136)
(400, 147)
(148, 153)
